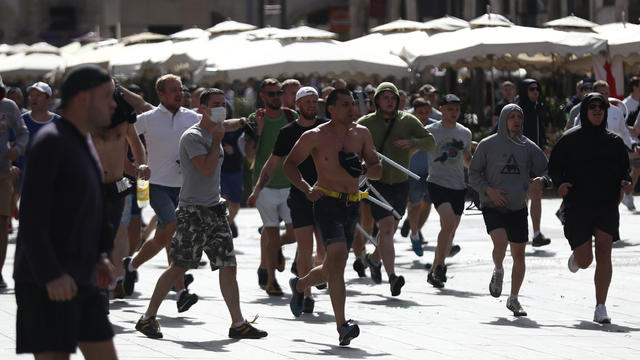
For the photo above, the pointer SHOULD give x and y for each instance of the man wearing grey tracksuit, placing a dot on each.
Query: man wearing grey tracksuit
(500, 172)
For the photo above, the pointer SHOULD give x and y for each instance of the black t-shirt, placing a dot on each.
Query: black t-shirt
(287, 137)
(232, 162)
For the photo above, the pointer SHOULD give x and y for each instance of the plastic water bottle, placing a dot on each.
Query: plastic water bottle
(142, 192)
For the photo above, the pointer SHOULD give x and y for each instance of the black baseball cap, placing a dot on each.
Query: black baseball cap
(450, 99)
(81, 78)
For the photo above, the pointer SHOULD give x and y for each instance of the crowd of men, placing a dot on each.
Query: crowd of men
(335, 165)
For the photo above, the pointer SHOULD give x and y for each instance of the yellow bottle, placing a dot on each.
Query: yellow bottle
(143, 192)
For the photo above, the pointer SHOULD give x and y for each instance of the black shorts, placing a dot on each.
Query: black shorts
(43, 325)
(396, 194)
(581, 222)
(336, 220)
(113, 205)
(513, 222)
(440, 195)
(301, 209)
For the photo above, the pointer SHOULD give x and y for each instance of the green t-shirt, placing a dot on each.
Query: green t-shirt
(265, 147)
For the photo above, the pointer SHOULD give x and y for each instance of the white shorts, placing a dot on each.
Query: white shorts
(272, 206)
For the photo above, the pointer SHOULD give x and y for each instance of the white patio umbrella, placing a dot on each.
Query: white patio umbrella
(189, 34)
(230, 27)
(38, 61)
(398, 26)
(623, 40)
(500, 47)
(143, 49)
(302, 33)
(95, 53)
(571, 22)
(445, 23)
(307, 57)
(390, 43)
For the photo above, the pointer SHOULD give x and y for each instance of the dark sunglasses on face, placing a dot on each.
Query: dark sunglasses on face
(534, 89)
(596, 106)
(274, 93)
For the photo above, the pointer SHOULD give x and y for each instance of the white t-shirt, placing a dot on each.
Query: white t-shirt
(162, 131)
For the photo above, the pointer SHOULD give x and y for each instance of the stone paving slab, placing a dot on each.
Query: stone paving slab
(461, 321)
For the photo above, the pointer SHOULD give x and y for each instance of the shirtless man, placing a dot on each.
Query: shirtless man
(337, 148)
(111, 146)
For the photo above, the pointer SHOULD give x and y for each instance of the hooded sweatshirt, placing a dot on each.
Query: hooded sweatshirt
(504, 163)
(534, 120)
(405, 127)
(592, 159)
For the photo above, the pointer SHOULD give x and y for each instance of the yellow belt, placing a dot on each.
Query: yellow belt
(343, 196)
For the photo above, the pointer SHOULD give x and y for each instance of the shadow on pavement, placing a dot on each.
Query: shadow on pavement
(348, 352)
(521, 322)
(272, 300)
(458, 293)
(624, 243)
(589, 325)
(540, 253)
(392, 302)
(170, 322)
(211, 345)
(118, 330)
(317, 317)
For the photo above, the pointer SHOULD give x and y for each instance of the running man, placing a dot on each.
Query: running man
(591, 198)
(499, 172)
(445, 182)
(337, 148)
(202, 222)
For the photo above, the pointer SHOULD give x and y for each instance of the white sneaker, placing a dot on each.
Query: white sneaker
(600, 315)
(573, 267)
(495, 286)
(627, 200)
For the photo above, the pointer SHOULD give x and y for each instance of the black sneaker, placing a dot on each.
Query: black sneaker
(281, 261)
(234, 229)
(348, 331)
(294, 268)
(396, 283)
(404, 230)
(540, 240)
(274, 289)
(455, 249)
(3, 284)
(130, 277)
(358, 266)
(118, 291)
(321, 286)
(186, 300)
(262, 278)
(149, 327)
(433, 281)
(424, 242)
(188, 279)
(246, 331)
(308, 305)
(375, 270)
(297, 298)
(440, 273)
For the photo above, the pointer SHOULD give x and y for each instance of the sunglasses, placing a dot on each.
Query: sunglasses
(534, 89)
(587, 89)
(596, 106)
(274, 93)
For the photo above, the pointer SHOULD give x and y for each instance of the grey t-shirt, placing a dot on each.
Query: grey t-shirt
(446, 167)
(197, 188)
(10, 119)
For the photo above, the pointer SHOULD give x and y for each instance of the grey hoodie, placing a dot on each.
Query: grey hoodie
(506, 163)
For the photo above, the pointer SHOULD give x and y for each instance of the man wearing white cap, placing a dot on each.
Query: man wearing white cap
(9, 119)
(40, 98)
(301, 208)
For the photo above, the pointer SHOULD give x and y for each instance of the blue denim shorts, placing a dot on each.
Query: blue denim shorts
(164, 201)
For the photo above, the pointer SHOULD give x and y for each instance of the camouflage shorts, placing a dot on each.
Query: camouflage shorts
(201, 229)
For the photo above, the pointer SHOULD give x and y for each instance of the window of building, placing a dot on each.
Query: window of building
(63, 18)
